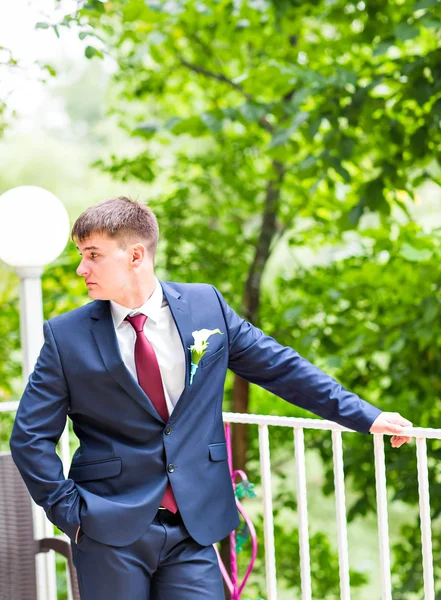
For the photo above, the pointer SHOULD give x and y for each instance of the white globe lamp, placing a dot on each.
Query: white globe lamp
(34, 230)
(34, 227)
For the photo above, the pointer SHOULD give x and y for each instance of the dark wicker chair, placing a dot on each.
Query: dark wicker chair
(18, 547)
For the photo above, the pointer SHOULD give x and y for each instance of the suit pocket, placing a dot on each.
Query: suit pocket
(92, 471)
(211, 358)
(218, 451)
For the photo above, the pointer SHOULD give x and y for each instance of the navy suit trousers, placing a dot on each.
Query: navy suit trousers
(165, 563)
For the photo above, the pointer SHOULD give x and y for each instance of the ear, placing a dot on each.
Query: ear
(138, 253)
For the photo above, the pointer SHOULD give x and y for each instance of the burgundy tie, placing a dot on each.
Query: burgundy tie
(149, 378)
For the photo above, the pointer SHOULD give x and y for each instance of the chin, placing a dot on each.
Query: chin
(96, 295)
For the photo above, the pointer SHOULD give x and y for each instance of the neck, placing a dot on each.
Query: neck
(136, 297)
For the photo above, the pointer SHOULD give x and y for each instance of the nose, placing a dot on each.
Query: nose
(81, 269)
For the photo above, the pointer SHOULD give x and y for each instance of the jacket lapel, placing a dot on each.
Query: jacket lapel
(105, 337)
(181, 314)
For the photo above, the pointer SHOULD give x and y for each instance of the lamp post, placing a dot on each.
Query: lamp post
(34, 230)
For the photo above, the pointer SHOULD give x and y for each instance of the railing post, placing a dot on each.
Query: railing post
(302, 511)
(340, 507)
(268, 523)
(426, 534)
(383, 532)
(31, 332)
(64, 452)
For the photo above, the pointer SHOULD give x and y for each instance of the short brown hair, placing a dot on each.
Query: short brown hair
(120, 218)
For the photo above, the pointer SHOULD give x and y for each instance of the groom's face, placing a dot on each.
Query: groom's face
(105, 267)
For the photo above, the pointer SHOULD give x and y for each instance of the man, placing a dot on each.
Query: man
(149, 490)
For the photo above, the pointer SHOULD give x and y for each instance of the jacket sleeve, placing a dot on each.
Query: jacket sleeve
(260, 359)
(38, 425)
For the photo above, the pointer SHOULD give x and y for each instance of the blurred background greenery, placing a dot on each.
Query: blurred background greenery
(291, 151)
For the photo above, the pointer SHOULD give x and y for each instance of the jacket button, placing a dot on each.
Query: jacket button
(171, 468)
(168, 431)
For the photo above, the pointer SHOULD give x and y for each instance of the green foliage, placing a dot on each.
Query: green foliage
(337, 92)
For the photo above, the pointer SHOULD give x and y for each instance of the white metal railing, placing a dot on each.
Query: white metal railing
(298, 425)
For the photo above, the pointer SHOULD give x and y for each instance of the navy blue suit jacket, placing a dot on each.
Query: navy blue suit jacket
(119, 472)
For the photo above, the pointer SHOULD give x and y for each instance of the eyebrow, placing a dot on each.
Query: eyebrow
(90, 248)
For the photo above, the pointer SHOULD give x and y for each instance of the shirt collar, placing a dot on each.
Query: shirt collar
(151, 307)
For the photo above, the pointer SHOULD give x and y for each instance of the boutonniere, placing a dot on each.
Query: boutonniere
(199, 347)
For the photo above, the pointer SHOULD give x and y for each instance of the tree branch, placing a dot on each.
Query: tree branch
(267, 233)
(223, 79)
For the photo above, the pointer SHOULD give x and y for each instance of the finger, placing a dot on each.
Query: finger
(398, 441)
(406, 438)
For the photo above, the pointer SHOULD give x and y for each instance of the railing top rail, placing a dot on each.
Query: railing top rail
(8, 406)
(298, 422)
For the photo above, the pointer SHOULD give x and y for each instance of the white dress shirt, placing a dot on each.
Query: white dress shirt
(160, 329)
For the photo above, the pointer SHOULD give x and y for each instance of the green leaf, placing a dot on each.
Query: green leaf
(42, 26)
(212, 122)
(146, 130)
(429, 23)
(383, 46)
(346, 147)
(414, 254)
(242, 536)
(245, 489)
(50, 69)
(94, 6)
(252, 111)
(283, 135)
(170, 123)
(334, 362)
(420, 179)
(335, 163)
(374, 196)
(308, 162)
(422, 4)
(436, 109)
(404, 32)
(192, 125)
(355, 213)
(280, 137)
(90, 52)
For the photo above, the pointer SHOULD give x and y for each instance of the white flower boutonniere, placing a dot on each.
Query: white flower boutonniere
(199, 347)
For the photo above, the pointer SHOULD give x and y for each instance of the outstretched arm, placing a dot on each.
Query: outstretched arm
(260, 359)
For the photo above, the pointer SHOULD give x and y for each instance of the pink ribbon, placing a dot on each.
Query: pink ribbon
(232, 582)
